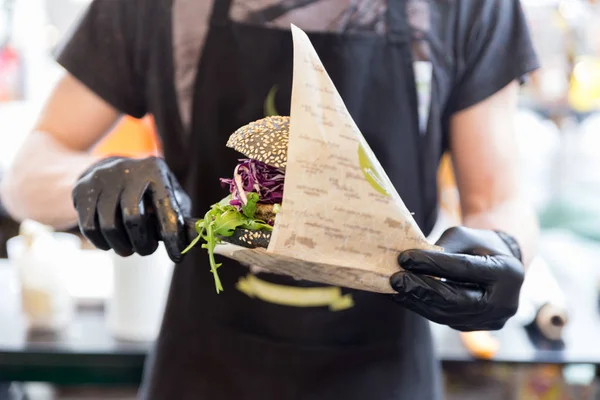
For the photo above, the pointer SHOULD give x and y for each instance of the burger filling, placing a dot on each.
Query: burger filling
(256, 192)
(252, 176)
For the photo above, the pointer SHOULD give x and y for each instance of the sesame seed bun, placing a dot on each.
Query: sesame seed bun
(265, 140)
(248, 238)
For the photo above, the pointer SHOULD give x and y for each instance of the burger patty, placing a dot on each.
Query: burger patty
(264, 212)
(253, 239)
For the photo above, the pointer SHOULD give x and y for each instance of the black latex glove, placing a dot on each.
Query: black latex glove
(128, 205)
(483, 277)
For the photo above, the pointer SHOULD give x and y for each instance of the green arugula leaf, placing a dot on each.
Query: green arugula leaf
(225, 224)
(250, 208)
(256, 225)
(221, 221)
(225, 201)
(211, 242)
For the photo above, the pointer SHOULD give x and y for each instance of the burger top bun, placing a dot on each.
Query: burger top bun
(264, 140)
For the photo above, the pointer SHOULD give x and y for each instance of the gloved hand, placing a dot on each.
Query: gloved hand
(482, 272)
(128, 205)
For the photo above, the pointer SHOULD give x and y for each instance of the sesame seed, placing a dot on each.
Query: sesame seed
(264, 140)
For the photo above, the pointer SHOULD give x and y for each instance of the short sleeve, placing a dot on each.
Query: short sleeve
(496, 49)
(103, 53)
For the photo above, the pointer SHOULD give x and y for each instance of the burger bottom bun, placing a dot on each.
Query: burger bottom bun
(249, 238)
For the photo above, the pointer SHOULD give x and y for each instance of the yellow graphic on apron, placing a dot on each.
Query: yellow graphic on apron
(331, 297)
(269, 106)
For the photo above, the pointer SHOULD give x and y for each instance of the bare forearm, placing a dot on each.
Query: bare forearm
(515, 217)
(39, 183)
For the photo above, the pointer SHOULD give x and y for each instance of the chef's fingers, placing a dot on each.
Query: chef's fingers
(181, 197)
(170, 221)
(455, 267)
(111, 221)
(440, 302)
(140, 224)
(85, 201)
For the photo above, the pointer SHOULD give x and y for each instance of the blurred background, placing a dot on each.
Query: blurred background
(92, 342)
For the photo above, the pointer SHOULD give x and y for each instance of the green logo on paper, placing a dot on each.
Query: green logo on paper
(370, 172)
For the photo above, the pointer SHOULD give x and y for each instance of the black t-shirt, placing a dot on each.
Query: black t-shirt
(476, 47)
(142, 56)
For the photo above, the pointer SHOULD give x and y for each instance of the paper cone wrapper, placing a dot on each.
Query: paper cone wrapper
(342, 221)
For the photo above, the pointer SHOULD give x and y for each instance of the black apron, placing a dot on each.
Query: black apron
(236, 345)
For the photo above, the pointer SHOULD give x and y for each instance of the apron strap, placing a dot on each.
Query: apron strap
(220, 12)
(399, 29)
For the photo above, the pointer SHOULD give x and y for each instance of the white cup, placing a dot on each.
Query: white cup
(42, 269)
(140, 288)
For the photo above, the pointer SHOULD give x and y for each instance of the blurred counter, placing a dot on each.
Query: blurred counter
(574, 264)
(86, 352)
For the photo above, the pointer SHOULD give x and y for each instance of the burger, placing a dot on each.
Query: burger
(247, 215)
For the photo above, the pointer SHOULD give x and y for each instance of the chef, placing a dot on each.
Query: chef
(419, 77)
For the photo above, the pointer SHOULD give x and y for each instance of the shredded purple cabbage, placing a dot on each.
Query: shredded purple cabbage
(258, 177)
